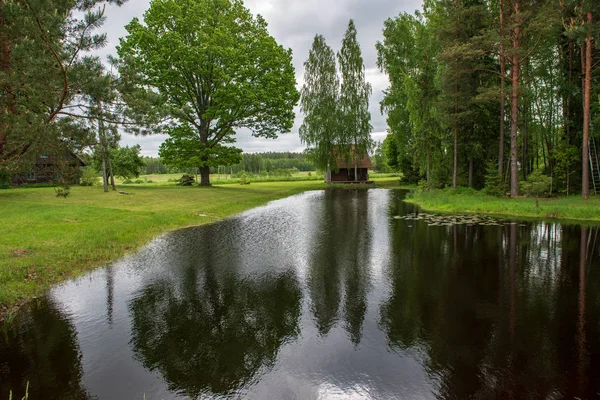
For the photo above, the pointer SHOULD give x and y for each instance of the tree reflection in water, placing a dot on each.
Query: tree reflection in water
(339, 261)
(499, 311)
(207, 328)
(40, 348)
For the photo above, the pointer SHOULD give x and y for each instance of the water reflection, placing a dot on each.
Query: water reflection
(339, 262)
(206, 328)
(325, 295)
(40, 350)
(495, 308)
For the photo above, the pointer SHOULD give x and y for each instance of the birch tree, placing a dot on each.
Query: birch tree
(354, 100)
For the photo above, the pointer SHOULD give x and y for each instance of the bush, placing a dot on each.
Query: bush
(464, 190)
(186, 180)
(89, 177)
(536, 184)
(138, 181)
(4, 180)
(63, 191)
(244, 179)
(127, 181)
(494, 184)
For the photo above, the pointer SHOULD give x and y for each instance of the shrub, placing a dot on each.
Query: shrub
(186, 180)
(127, 181)
(89, 177)
(464, 190)
(63, 191)
(536, 185)
(4, 180)
(244, 179)
(138, 181)
(494, 184)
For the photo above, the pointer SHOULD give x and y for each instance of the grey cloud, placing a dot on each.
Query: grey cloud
(294, 24)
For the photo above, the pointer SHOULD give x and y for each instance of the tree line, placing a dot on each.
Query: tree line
(485, 92)
(253, 163)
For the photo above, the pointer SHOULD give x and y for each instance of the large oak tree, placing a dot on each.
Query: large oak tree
(216, 70)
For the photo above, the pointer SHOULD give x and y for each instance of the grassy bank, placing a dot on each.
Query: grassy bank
(46, 239)
(449, 201)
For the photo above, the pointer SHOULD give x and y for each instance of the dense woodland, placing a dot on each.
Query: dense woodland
(485, 92)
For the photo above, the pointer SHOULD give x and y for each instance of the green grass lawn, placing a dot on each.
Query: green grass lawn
(46, 239)
(449, 201)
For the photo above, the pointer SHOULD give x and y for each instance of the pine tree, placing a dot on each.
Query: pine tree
(320, 129)
(46, 77)
(355, 127)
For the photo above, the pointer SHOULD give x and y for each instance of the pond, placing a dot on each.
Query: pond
(331, 294)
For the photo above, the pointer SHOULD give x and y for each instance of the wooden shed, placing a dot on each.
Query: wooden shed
(344, 171)
(51, 168)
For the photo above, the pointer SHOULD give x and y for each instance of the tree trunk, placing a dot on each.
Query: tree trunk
(502, 93)
(204, 176)
(110, 171)
(355, 169)
(470, 170)
(455, 171)
(514, 104)
(104, 177)
(587, 100)
(428, 169)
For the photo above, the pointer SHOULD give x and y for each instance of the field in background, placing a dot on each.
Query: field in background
(224, 179)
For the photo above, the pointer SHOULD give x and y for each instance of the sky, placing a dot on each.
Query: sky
(293, 24)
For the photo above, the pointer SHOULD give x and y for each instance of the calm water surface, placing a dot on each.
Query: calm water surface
(324, 295)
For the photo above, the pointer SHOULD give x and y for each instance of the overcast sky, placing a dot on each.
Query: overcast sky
(294, 24)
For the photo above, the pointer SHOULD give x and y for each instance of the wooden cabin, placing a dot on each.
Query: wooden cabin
(51, 168)
(344, 171)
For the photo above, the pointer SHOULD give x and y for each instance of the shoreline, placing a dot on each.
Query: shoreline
(52, 240)
(564, 210)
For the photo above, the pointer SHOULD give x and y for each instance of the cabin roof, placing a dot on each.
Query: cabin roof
(364, 162)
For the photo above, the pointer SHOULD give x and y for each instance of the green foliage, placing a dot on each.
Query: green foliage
(184, 149)
(215, 69)
(536, 184)
(355, 119)
(244, 179)
(63, 191)
(89, 177)
(46, 72)
(126, 161)
(390, 152)
(494, 183)
(4, 179)
(410, 174)
(320, 129)
(566, 158)
(186, 180)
